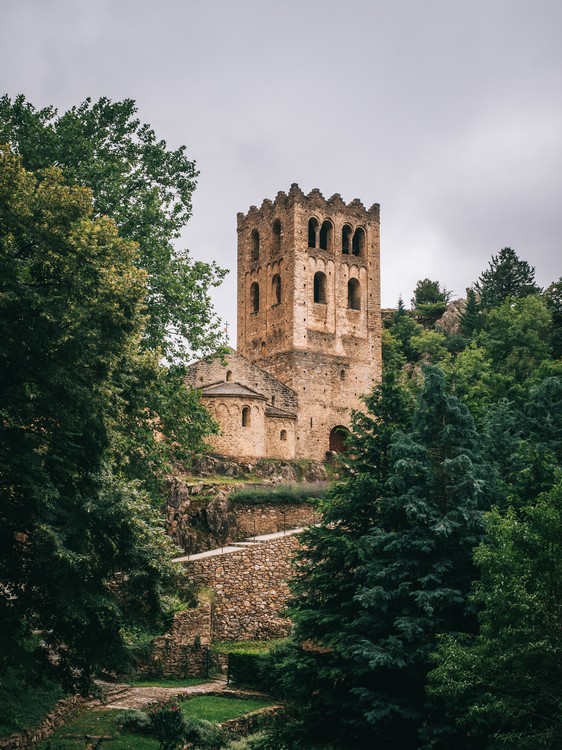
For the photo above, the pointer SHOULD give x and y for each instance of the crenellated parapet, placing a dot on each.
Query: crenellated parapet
(313, 201)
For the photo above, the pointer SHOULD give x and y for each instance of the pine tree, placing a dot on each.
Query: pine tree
(506, 276)
(389, 569)
(470, 316)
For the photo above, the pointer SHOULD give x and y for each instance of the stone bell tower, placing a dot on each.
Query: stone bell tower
(309, 306)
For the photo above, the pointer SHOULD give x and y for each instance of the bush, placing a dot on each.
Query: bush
(204, 734)
(249, 670)
(168, 725)
(282, 494)
(135, 721)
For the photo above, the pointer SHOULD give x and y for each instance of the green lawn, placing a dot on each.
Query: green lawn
(103, 723)
(96, 723)
(218, 709)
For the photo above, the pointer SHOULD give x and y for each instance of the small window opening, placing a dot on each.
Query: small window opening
(276, 289)
(358, 245)
(255, 240)
(276, 230)
(228, 376)
(342, 374)
(246, 416)
(313, 233)
(255, 297)
(273, 400)
(311, 421)
(263, 349)
(326, 235)
(320, 287)
(346, 239)
(353, 294)
(283, 435)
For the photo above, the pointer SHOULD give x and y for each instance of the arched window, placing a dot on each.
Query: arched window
(246, 416)
(255, 240)
(276, 230)
(263, 349)
(313, 233)
(342, 374)
(255, 297)
(320, 287)
(326, 232)
(353, 294)
(228, 376)
(346, 239)
(283, 435)
(276, 290)
(358, 246)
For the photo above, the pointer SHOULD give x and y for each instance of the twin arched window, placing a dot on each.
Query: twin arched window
(321, 236)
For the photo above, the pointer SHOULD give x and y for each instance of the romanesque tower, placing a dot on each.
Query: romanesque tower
(309, 306)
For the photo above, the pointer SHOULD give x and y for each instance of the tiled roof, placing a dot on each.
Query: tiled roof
(274, 411)
(231, 389)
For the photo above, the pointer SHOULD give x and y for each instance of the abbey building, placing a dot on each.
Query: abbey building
(309, 328)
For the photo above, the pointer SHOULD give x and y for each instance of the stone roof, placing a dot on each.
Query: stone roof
(275, 411)
(231, 389)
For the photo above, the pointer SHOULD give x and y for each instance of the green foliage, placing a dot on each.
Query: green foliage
(506, 681)
(506, 277)
(71, 319)
(133, 720)
(25, 698)
(169, 726)
(470, 318)
(280, 494)
(515, 339)
(218, 708)
(389, 568)
(249, 670)
(429, 292)
(145, 188)
(553, 299)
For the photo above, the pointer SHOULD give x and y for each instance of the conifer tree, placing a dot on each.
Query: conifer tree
(386, 572)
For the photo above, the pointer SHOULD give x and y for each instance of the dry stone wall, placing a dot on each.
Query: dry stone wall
(249, 589)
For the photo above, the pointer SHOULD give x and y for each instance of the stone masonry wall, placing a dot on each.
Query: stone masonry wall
(182, 651)
(249, 589)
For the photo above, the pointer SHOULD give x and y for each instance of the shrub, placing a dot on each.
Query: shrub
(168, 725)
(282, 494)
(135, 721)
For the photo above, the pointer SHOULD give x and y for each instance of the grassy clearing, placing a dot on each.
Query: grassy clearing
(96, 724)
(87, 723)
(218, 709)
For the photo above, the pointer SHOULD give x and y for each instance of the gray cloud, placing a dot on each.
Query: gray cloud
(447, 113)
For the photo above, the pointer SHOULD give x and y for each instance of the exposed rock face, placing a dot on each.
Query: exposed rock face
(450, 322)
(200, 516)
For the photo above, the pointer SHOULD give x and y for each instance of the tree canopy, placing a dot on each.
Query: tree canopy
(506, 276)
(145, 188)
(79, 542)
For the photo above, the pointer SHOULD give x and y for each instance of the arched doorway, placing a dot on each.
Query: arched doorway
(338, 436)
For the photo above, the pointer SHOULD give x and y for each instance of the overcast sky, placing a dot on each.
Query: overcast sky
(446, 112)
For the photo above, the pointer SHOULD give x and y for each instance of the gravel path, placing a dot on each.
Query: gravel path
(128, 696)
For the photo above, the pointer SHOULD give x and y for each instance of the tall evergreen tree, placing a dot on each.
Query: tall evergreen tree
(506, 276)
(386, 572)
(470, 316)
